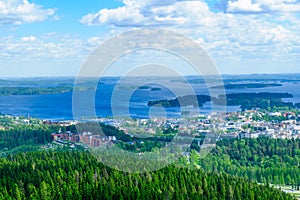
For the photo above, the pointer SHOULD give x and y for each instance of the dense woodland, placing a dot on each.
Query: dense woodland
(77, 175)
(67, 174)
(25, 135)
(263, 160)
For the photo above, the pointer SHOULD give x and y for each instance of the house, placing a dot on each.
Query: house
(246, 135)
(229, 136)
(275, 114)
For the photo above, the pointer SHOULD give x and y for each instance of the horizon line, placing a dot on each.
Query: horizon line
(116, 76)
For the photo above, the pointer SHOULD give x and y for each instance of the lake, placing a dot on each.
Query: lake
(59, 106)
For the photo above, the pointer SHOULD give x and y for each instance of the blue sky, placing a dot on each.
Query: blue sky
(54, 37)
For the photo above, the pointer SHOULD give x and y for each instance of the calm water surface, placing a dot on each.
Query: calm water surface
(59, 106)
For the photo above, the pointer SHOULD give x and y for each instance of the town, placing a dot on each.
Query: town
(242, 125)
(246, 124)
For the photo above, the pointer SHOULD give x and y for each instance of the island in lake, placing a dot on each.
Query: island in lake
(144, 87)
(247, 85)
(6, 91)
(188, 100)
(261, 100)
(156, 89)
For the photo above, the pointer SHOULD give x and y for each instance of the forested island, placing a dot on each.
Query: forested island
(4, 91)
(189, 100)
(247, 85)
(261, 100)
(155, 89)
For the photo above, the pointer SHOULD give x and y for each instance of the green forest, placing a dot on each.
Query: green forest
(231, 171)
(263, 160)
(78, 175)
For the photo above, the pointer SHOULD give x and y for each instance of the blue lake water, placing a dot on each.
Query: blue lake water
(59, 106)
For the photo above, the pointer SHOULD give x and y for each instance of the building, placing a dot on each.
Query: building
(247, 135)
(62, 136)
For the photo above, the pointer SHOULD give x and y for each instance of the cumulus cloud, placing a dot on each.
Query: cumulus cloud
(225, 35)
(149, 13)
(196, 19)
(243, 5)
(263, 6)
(183, 13)
(22, 11)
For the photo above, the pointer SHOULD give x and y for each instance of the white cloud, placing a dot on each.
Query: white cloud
(281, 5)
(52, 54)
(226, 36)
(242, 6)
(28, 38)
(22, 11)
(263, 6)
(195, 19)
(50, 46)
(149, 13)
